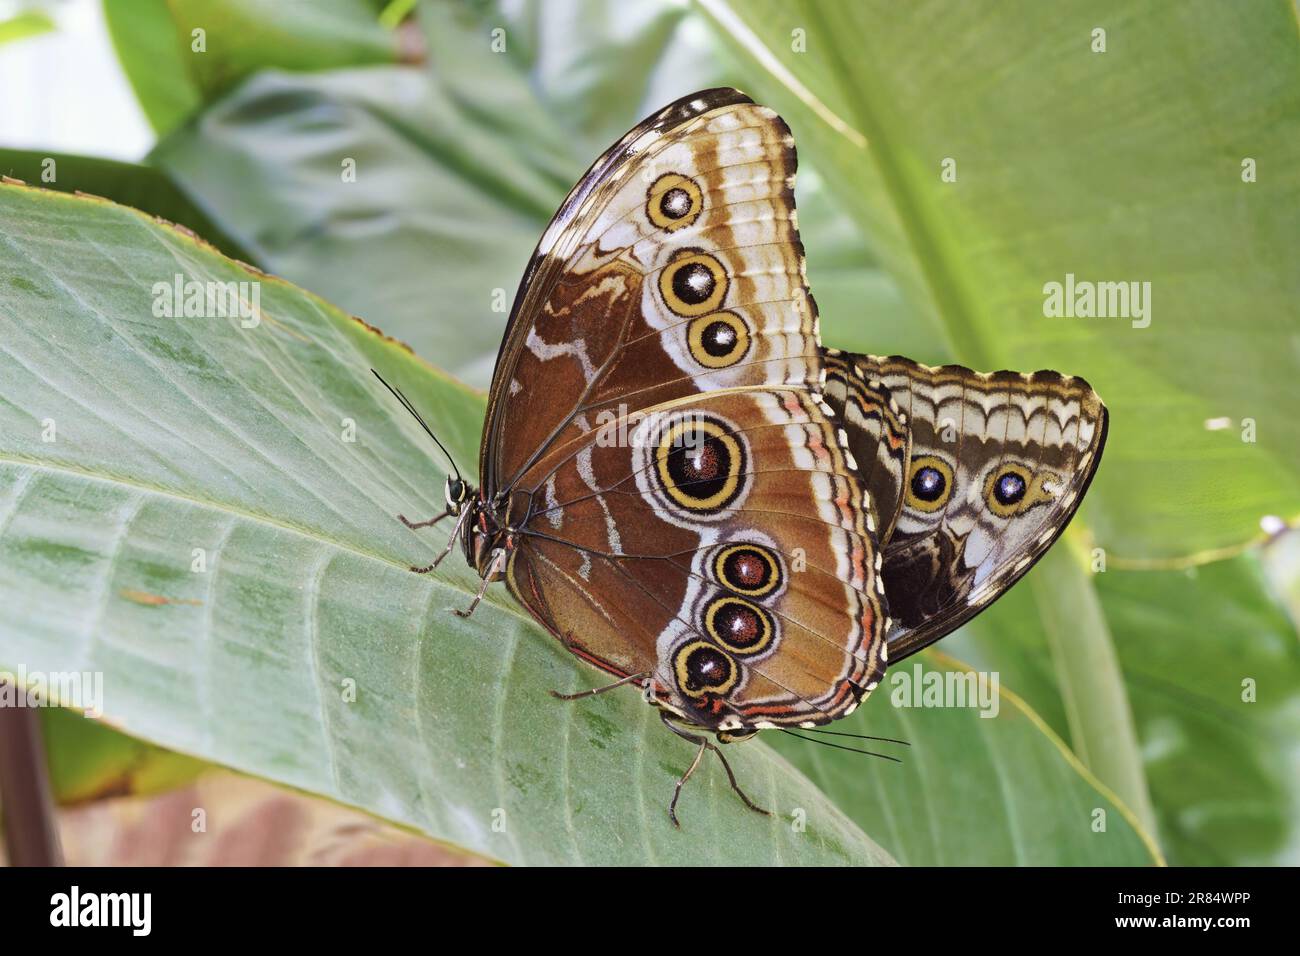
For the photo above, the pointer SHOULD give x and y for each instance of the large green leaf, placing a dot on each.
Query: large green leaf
(177, 434)
(179, 54)
(988, 787)
(147, 189)
(1216, 696)
(87, 760)
(1115, 166)
(1221, 770)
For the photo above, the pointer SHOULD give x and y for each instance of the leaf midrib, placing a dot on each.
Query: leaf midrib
(931, 262)
(246, 515)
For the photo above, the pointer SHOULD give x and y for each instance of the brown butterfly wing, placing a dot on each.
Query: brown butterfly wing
(721, 551)
(998, 464)
(876, 435)
(670, 292)
(673, 268)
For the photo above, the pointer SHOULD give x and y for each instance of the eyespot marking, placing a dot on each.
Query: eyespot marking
(693, 284)
(740, 626)
(1014, 488)
(703, 669)
(718, 340)
(929, 484)
(673, 202)
(700, 464)
(748, 569)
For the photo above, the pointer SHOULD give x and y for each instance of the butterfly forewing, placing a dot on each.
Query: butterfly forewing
(674, 268)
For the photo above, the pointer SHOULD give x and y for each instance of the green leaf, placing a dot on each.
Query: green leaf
(1220, 752)
(171, 435)
(29, 23)
(175, 68)
(89, 760)
(1090, 679)
(1221, 771)
(147, 189)
(990, 785)
(155, 59)
(1117, 166)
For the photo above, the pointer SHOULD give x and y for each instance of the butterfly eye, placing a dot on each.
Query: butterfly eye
(718, 339)
(929, 484)
(1006, 489)
(673, 202)
(740, 626)
(703, 669)
(747, 569)
(693, 284)
(699, 464)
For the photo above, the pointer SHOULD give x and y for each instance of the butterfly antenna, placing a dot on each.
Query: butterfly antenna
(841, 733)
(406, 403)
(852, 750)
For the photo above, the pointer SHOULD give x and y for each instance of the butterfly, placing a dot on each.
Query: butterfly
(692, 494)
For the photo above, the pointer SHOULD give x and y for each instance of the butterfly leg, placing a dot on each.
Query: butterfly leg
(455, 535)
(704, 745)
(599, 690)
(413, 525)
(498, 561)
(735, 786)
(677, 792)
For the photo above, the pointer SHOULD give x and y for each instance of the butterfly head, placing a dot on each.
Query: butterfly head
(457, 492)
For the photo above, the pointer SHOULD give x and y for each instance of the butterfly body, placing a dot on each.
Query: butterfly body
(693, 495)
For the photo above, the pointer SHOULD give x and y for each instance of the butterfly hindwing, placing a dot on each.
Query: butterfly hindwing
(721, 551)
(998, 464)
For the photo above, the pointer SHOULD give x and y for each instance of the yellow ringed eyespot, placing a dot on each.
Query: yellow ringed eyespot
(693, 284)
(702, 669)
(929, 483)
(673, 202)
(718, 339)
